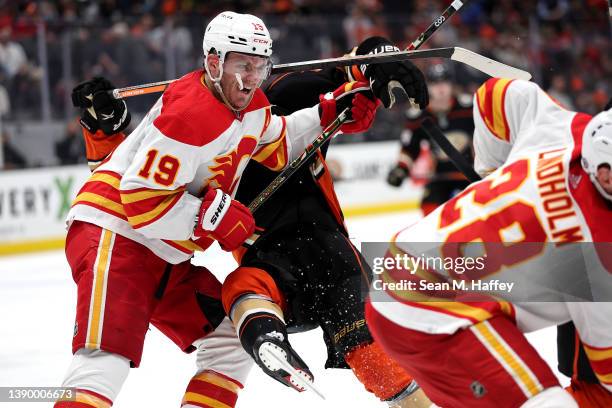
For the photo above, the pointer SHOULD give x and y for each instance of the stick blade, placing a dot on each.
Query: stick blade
(488, 66)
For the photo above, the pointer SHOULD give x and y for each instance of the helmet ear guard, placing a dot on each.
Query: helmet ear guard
(597, 148)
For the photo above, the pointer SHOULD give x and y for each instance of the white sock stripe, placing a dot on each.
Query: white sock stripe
(247, 296)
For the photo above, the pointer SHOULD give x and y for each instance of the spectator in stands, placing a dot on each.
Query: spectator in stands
(558, 91)
(11, 157)
(71, 149)
(13, 59)
(364, 21)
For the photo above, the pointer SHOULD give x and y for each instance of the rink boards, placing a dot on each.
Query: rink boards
(34, 202)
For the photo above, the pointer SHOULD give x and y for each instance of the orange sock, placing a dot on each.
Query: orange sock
(589, 395)
(211, 389)
(377, 372)
(84, 399)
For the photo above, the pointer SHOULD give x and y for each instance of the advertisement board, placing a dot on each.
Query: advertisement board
(34, 204)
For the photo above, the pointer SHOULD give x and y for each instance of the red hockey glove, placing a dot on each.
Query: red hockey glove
(224, 219)
(355, 95)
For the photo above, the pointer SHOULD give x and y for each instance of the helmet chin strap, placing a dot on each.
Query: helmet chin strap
(217, 84)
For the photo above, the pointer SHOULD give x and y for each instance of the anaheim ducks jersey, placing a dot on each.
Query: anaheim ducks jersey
(518, 220)
(458, 127)
(148, 189)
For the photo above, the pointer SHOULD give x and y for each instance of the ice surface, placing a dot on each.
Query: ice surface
(37, 301)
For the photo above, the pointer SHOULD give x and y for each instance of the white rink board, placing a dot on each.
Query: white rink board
(360, 171)
(34, 203)
(362, 160)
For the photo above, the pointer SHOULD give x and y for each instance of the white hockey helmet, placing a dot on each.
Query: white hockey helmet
(597, 147)
(233, 32)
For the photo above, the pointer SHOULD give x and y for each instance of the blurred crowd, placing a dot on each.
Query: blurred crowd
(46, 47)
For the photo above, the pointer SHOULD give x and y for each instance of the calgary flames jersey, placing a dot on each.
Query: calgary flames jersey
(535, 200)
(148, 189)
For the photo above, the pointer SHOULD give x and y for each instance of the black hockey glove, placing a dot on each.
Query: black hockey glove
(384, 80)
(99, 109)
(387, 80)
(397, 175)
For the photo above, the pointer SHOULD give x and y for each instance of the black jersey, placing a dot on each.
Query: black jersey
(308, 196)
(457, 125)
(573, 361)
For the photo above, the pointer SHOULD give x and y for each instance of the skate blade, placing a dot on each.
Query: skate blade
(298, 378)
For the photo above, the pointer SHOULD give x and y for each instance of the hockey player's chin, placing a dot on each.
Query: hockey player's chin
(241, 99)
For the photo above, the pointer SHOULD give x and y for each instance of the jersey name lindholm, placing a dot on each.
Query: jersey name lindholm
(493, 285)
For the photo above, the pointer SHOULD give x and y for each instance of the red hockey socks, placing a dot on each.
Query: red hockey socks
(84, 399)
(377, 372)
(211, 389)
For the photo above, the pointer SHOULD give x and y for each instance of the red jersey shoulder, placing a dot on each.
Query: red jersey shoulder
(190, 113)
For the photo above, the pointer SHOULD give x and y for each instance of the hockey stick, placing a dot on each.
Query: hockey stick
(434, 133)
(327, 134)
(424, 36)
(395, 88)
(480, 62)
(437, 23)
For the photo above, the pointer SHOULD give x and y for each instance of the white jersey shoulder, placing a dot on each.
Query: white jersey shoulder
(513, 118)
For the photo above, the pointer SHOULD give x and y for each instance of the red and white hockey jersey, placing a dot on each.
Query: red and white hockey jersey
(148, 189)
(536, 192)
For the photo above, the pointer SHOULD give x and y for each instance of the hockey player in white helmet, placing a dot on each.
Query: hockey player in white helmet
(167, 191)
(597, 152)
(236, 47)
(543, 216)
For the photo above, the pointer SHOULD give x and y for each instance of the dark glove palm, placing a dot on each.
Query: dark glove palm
(406, 74)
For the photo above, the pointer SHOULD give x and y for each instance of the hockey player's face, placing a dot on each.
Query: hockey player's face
(440, 95)
(242, 75)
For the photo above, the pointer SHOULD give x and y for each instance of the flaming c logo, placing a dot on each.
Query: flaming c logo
(226, 169)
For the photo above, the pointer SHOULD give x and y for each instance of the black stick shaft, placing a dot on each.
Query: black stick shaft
(327, 134)
(434, 133)
(437, 23)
